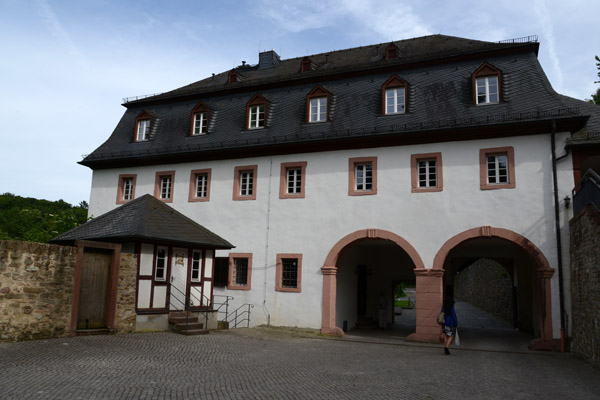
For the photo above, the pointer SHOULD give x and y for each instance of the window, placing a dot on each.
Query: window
(362, 177)
(256, 117)
(317, 105)
(256, 109)
(160, 268)
(142, 126)
(497, 168)
(306, 65)
(240, 271)
(426, 172)
(199, 120)
(199, 185)
(391, 51)
(289, 273)
(486, 84)
(126, 188)
(318, 109)
(196, 265)
(394, 96)
(163, 186)
(487, 90)
(221, 271)
(232, 77)
(292, 179)
(244, 183)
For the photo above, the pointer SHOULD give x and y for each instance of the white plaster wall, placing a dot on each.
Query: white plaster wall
(313, 225)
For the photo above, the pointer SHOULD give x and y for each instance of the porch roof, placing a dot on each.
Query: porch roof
(145, 218)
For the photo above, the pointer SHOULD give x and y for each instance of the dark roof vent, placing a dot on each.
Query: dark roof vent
(268, 59)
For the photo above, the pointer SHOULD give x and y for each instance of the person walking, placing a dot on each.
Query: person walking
(450, 324)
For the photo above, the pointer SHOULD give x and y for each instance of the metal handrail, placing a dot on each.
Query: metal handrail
(241, 316)
(189, 304)
(225, 303)
(586, 191)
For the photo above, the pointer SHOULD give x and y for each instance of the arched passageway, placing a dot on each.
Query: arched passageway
(480, 263)
(357, 269)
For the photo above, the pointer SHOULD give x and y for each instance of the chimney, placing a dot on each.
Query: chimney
(268, 59)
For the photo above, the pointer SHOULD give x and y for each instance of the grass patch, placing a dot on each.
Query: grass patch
(404, 304)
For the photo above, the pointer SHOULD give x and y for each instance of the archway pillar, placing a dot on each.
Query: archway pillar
(430, 291)
(546, 341)
(329, 292)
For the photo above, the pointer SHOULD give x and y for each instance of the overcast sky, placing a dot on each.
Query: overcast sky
(65, 66)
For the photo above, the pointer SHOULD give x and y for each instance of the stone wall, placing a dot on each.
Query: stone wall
(585, 284)
(487, 285)
(125, 311)
(36, 290)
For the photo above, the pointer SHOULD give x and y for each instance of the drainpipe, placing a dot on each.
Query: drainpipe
(558, 240)
(264, 305)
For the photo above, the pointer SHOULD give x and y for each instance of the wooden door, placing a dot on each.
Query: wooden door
(93, 290)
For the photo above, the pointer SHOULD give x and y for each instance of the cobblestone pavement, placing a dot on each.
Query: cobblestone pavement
(280, 364)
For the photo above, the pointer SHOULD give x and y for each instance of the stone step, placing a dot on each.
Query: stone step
(179, 327)
(182, 320)
(193, 332)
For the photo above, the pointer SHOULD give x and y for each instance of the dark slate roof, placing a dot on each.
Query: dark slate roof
(354, 59)
(144, 218)
(438, 70)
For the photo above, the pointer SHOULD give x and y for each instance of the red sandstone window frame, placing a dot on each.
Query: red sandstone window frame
(394, 82)
(486, 70)
(256, 101)
(237, 196)
(317, 92)
(121, 188)
(352, 163)
(509, 152)
(279, 273)
(143, 116)
(158, 185)
(414, 172)
(231, 285)
(199, 109)
(192, 196)
(283, 179)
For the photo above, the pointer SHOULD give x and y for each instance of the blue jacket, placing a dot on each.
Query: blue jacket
(450, 319)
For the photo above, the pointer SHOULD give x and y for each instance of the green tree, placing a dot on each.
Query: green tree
(37, 220)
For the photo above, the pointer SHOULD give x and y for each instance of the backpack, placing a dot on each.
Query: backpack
(441, 318)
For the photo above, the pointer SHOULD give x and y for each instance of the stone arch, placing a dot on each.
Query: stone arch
(544, 271)
(489, 231)
(329, 270)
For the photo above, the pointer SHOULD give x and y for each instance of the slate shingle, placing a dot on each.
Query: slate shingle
(440, 95)
(144, 218)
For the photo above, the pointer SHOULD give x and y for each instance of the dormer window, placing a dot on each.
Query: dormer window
(486, 84)
(199, 120)
(394, 96)
(391, 51)
(306, 65)
(142, 126)
(256, 109)
(317, 105)
(233, 76)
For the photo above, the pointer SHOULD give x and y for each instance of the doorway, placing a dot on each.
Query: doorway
(178, 295)
(95, 286)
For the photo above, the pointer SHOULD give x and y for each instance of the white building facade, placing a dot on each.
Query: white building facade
(324, 220)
